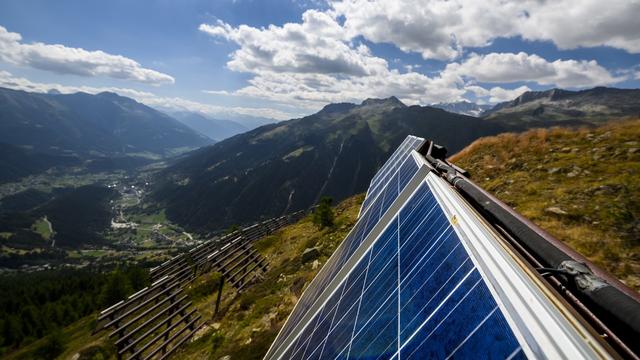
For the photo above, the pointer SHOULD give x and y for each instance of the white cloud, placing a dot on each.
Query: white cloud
(8, 80)
(224, 112)
(314, 62)
(441, 29)
(585, 23)
(320, 60)
(436, 29)
(217, 92)
(317, 45)
(508, 67)
(77, 61)
(498, 94)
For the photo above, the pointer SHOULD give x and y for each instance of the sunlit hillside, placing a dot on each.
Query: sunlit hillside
(582, 186)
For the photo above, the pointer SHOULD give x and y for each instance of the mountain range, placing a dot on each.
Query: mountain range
(270, 170)
(557, 107)
(85, 124)
(39, 131)
(288, 166)
(215, 129)
(464, 107)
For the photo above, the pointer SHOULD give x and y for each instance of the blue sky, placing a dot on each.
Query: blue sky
(287, 58)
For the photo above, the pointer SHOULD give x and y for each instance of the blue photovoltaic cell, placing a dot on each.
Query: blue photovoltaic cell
(391, 166)
(445, 307)
(398, 153)
(406, 167)
(415, 294)
(366, 222)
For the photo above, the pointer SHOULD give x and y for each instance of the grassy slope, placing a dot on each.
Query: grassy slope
(532, 172)
(581, 186)
(248, 323)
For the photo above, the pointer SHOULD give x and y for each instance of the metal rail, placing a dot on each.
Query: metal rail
(606, 303)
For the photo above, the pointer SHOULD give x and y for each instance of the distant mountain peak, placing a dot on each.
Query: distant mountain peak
(463, 107)
(108, 94)
(84, 124)
(337, 108)
(528, 96)
(594, 105)
(390, 101)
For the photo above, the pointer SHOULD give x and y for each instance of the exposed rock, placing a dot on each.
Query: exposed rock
(556, 210)
(270, 320)
(216, 326)
(315, 264)
(201, 332)
(553, 170)
(575, 172)
(310, 254)
(226, 357)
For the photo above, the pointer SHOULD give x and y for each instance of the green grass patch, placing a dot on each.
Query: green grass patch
(41, 226)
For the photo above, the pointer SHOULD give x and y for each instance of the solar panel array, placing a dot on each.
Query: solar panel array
(153, 322)
(209, 254)
(158, 319)
(422, 276)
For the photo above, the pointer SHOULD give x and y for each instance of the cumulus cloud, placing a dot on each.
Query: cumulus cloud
(441, 29)
(77, 61)
(322, 59)
(509, 67)
(585, 23)
(311, 63)
(217, 92)
(317, 45)
(498, 94)
(8, 80)
(437, 29)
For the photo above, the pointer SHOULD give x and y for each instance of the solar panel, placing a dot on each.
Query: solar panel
(421, 275)
(368, 219)
(391, 166)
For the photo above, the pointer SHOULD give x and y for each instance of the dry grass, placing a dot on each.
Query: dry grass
(248, 322)
(592, 174)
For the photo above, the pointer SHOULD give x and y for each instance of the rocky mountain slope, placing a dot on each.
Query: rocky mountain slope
(105, 124)
(564, 107)
(583, 186)
(283, 167)
(464, 107)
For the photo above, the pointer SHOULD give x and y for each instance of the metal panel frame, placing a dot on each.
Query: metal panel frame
(542, 325)
(348, 267)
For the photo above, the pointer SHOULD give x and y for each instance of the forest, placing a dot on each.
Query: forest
(34, 305)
